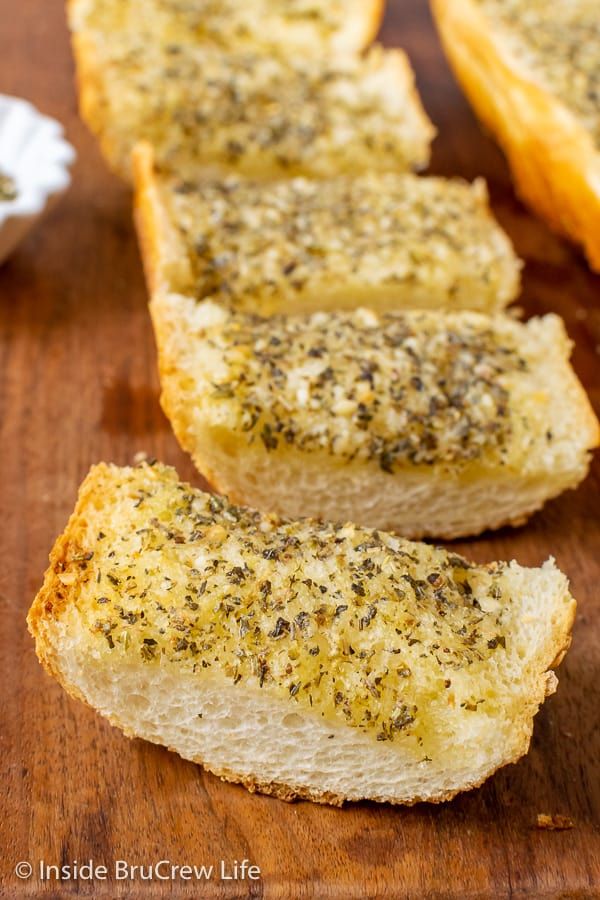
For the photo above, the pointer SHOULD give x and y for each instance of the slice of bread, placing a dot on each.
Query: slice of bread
(304, 26)
(302, 659)
(255, 114)
(383, 240)
(532, 74)
(426, 423)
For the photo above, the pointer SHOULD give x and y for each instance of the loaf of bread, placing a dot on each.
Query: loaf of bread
(248, 112)
(303, 26)
(531, 69)
(426, 423)
(302, 659)
(384, 240)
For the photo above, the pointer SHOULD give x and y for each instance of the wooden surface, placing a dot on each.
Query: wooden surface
(78, 384)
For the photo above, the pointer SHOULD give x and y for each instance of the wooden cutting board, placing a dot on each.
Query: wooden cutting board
(78, 384)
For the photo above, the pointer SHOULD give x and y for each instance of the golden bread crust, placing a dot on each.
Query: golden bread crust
(159, 244)
(90, 90)
(54, 596)
(373, 19)
(554, 162)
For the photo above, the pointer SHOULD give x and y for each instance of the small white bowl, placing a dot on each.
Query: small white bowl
(35, 155)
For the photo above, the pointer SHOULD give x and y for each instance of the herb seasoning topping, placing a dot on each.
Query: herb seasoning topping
(346, 621)
(259, 114)
(261, 247)
(402, 389)
(225, 23)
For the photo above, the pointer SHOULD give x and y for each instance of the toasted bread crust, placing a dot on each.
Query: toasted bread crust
(156, 235)
(90, 88)
(554, 162)
(373, 18)
(89, 77)
(55, 597)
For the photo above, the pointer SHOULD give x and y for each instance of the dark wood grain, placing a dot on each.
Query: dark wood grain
(78, 384)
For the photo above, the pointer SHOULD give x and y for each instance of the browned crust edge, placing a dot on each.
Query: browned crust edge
(373, 21)
(93, 102)
(158, 237)
(145, 214)
(554, 162)
(53, 597)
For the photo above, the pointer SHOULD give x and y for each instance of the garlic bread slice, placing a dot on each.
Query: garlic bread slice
(427, 423)
(302, 659)
(384, 240)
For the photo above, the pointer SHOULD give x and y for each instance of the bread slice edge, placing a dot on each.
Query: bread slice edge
(554, 162)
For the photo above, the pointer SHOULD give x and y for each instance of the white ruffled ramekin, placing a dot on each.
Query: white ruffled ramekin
(35, 155)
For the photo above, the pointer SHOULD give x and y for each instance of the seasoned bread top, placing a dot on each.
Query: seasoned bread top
(311, 26)
(558, 42)
(402, 389)
(260, 115)
(292, 244)
(357, 626)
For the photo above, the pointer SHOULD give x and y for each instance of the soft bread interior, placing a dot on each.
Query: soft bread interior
(416, 504)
